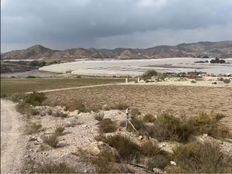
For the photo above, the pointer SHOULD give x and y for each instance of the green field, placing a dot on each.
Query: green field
(12, 86)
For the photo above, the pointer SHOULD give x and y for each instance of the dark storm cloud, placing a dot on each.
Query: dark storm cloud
(113, 23)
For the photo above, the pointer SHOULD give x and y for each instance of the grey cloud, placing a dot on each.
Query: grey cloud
(112, 23)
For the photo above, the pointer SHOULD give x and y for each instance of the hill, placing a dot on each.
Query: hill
(200, 49)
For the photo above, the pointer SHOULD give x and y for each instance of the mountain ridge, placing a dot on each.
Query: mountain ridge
(222, 49)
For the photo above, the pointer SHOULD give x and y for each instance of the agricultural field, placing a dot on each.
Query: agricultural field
(12, 86)
(151, 98)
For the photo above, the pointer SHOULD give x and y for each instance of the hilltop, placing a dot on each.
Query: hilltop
(221, 49)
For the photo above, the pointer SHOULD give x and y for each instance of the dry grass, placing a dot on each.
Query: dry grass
(56, 168)
(202, 158)
(107, 126)
(153, 100)
(32, 128)
(12, 86)
(51, 140)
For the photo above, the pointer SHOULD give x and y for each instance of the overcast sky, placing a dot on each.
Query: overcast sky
(65, 24)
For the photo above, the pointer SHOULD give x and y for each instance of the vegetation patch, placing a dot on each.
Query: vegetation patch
(107, 126)
(35, 99)
(56, 168)
(126, 148)
(51, 140)
(32, 128)
(202, 158)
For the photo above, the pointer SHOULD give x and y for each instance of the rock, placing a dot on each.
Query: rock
(173, 163)
(204, 135)
(74, 113)
(140, 137)
(33, 138)
(93, 149)
(157, 171)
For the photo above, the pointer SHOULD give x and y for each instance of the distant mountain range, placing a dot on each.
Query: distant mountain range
(200, 49)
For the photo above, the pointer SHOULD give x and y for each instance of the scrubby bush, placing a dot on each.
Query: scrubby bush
(59, 131)
(107, 125)
(56, 168)
(76, 105)
(209, 124)
(32, 128)
(158, 161)
(59, 114)
(35, 99)
(135, 112)
(226, 81)
(202, 158)
(150, 148)
(149, 74)
(169, 127)
(51, 140)
(126, 148)
(149, 118)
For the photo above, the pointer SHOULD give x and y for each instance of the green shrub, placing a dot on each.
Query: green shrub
(202, 158)
(35, 98)
(107, 126)
(149, 74)
(51, 140)
(226, 81)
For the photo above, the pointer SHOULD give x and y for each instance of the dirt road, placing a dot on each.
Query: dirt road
(12, 141)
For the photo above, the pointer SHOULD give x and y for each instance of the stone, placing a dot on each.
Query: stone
(157, 171)
(173, 163)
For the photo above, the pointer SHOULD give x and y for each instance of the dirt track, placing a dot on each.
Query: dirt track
(12, 141)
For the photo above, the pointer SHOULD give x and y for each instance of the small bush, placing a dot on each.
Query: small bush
(107, 126)
(32, 128)
(24, 108)
(159, 161)
(208, 124)
(51, 140)
(135, 112)
(149, 74)
(56, 168)
(150, 148)
(127, 149)
(193, 81)
(149, 118)
(99, 116)
(202, 158)
(60, 114)
(168, 127)
(76, 105)
(226, 81)
(59, 131)
(35, 98)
